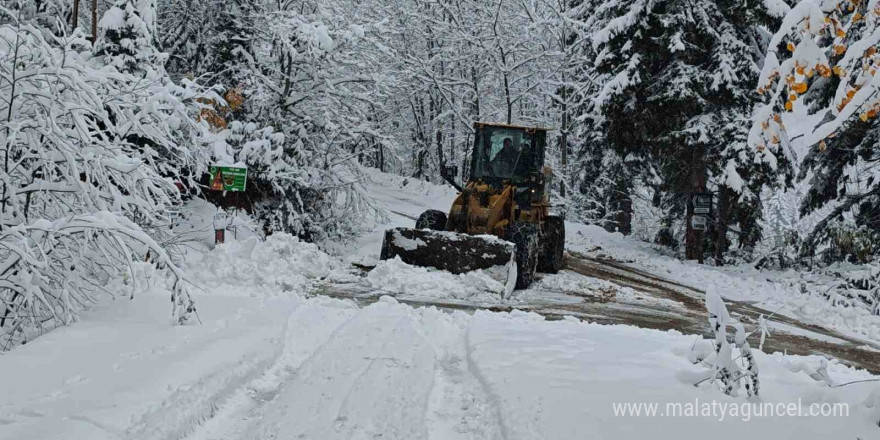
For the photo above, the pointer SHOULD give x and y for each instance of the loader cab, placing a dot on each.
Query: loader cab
(510, 153)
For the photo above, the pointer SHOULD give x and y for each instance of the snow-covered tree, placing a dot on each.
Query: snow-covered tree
(297, 68)
(820, 76)
(126, 35)
(676, 92)
(82, 192)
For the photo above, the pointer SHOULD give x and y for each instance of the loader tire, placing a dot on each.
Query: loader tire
(552, 246)
(432, 219)
(527, 238)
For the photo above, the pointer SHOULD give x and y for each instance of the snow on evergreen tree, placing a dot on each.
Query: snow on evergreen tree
(207, 39)
(820, 76)
(676, 91)
(126, 35)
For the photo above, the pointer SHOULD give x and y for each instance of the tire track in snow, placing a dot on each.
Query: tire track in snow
(459, 407)
(493, 398)
(309, 327)
(192, 404)
(371, 379)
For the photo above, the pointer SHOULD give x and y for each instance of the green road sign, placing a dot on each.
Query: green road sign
(228, 178)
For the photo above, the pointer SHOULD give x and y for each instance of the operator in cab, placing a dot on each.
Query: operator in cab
(505, 160)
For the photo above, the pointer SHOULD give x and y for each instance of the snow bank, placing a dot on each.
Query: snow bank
(125, 371)
(560, 380)
(281, 264)
(396, 277)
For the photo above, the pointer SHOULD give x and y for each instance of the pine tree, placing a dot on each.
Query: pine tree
(126, 35)
(677, 90)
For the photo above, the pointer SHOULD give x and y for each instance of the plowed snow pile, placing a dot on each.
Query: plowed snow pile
(282, 263)
(396, 277)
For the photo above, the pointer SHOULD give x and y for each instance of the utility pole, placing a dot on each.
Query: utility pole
(724, 194)
(94, 21)
(563, 138)
(75, 14)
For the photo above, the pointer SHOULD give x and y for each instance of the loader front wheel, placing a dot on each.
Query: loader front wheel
(432, 219)
(526, 237)
(553, 246)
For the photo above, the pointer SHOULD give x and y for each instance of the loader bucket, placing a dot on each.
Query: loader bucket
(451, 251)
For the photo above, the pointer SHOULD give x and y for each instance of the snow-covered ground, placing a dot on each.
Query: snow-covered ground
(780, 292)
(271, 359)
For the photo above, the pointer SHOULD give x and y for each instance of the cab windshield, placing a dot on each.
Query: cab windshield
(505, 153)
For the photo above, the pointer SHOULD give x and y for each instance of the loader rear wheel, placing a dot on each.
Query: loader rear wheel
(552, 246)
(527, 238)
(432, 219)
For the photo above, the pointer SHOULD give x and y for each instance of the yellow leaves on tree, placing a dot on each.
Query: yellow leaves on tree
(849, 96)
(852, 92)
(213, 114)
(871, 113)
(210, 115)
(234, 98)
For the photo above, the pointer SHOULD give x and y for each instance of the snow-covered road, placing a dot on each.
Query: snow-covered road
(274, 358)
(320, 368)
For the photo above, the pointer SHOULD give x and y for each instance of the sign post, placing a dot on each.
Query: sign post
(220, 221)
(699, 222)
(702, 206)
(173, 218)
(702, 203)
(228, 178)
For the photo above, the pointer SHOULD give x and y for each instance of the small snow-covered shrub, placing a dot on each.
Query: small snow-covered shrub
(726, 372)
(850, 243)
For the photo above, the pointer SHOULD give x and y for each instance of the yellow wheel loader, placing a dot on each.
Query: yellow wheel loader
(501, 216)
